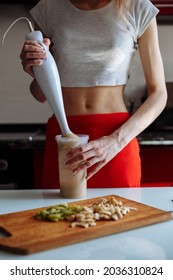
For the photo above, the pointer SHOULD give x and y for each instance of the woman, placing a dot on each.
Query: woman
(93, 43)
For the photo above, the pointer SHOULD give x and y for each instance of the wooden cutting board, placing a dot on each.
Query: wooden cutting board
(26, 235)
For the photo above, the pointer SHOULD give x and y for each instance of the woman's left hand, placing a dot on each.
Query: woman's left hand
(94, 154)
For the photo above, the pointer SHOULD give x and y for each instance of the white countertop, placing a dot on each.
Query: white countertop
(154, 242)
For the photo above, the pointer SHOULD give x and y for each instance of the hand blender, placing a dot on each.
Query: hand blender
(48, 79)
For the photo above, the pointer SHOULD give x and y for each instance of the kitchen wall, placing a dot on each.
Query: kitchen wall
(136, 85)
(16, 103)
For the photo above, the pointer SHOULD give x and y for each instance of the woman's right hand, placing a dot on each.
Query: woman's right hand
(32, 54)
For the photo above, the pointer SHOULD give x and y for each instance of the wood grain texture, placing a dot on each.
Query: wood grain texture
(26, 235)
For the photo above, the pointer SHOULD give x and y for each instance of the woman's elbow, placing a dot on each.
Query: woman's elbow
(163, 96)
(37, 92)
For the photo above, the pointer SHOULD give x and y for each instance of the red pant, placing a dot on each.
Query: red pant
(124, 170)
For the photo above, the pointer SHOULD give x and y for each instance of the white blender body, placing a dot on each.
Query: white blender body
(48, 79)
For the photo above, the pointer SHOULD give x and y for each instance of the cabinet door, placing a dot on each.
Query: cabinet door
(165, 6)
(157, 165)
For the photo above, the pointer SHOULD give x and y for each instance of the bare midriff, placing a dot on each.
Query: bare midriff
(94, 100)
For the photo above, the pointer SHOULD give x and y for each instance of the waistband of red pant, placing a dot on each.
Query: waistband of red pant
(120, 116)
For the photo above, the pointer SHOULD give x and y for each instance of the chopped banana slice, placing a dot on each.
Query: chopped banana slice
(85, 216)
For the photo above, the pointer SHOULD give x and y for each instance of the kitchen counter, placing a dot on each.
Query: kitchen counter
(32, 136)
(22, 153)
(22, 136)
(157, 138)
(154, 242)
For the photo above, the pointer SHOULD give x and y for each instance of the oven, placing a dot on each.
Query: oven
(17, 154)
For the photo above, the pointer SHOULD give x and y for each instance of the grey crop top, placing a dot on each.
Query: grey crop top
(93, 47)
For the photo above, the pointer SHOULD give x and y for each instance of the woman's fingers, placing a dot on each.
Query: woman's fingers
(47, 42)
(96, 168)
(32, 54)
(95, 154)
(30, 46)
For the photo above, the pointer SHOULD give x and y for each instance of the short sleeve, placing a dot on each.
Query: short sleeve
(39, 14)
(144, 12)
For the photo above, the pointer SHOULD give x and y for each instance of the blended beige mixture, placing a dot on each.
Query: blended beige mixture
(71, 185)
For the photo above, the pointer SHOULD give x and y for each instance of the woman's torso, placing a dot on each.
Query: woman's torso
(91, 61)
(97, 99)
(93, 49)
(93, 100)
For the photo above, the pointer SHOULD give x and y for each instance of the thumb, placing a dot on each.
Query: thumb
(47, 42)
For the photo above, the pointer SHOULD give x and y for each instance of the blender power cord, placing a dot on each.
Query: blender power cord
(8, 29)
(13, 23)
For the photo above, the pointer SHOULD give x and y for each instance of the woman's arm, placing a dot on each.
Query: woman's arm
(37, 92)
(99, 152)
(157, 94)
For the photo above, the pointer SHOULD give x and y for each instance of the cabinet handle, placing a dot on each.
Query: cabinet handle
(164, 5)
(3, 165)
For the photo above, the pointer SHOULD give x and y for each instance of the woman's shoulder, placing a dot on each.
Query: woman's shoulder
(141, 12)
(142, 5)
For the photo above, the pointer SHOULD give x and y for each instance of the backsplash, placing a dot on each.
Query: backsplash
(16, 103)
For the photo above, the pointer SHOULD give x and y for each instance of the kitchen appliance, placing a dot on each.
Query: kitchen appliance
(26, 235)
(47, 76)
(19, 145)
(48, 79)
